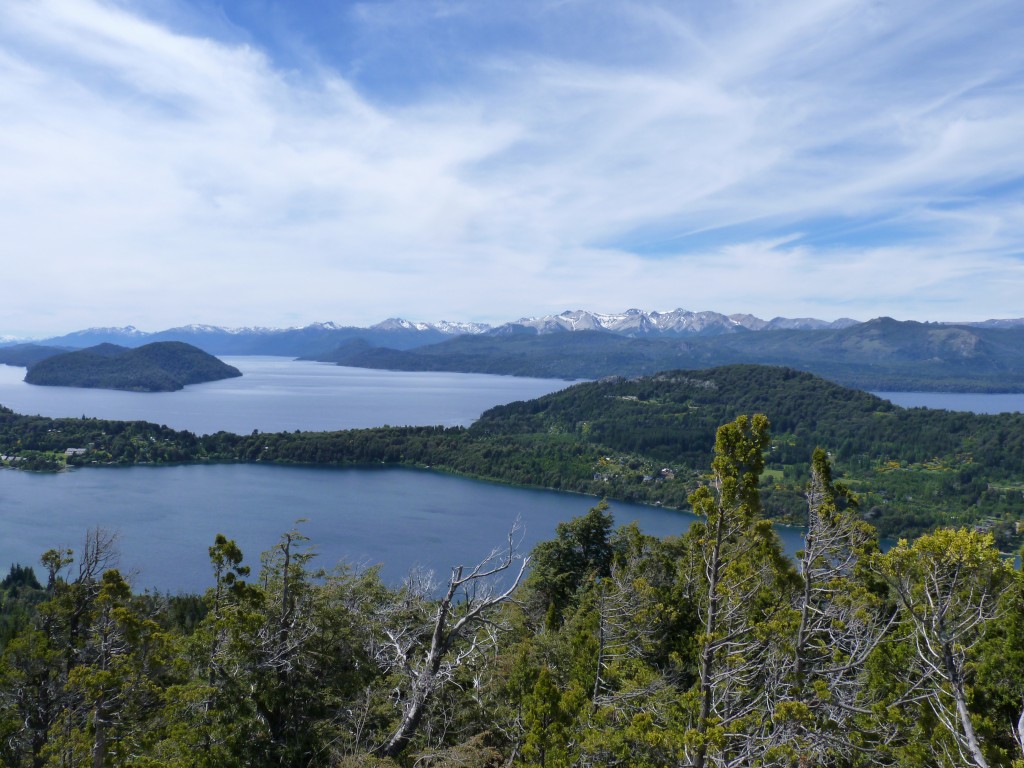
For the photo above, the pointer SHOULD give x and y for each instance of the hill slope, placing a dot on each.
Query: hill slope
(25, 355)
(158, 367)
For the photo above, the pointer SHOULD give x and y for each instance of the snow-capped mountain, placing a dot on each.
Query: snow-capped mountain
(128, 336)
(460, 329)
(678, 322)
(320, 338)
(444, 326)
(1006, 323)
(400, 333)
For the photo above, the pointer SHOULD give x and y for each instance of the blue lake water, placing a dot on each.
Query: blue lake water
(957, 401)
(275, 394)
(166, 517)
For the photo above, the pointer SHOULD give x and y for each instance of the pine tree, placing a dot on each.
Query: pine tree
(744, 587)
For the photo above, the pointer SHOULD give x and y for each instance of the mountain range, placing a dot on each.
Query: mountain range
(880, 354)
(397, 333)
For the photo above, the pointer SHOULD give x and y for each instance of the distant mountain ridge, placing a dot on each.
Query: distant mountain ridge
(880, 354)
(678, 322)
(398, 333)
(311, 339)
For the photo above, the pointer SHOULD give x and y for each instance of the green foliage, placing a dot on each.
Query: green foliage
(581, 551)
(620, 649)
(949, 586)
(545, 725)
(20, 593)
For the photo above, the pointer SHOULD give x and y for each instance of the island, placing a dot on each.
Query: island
(163, 366)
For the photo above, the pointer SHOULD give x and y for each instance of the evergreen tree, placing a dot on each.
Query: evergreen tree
(743, 588)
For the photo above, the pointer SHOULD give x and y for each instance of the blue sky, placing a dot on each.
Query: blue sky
(274, 162)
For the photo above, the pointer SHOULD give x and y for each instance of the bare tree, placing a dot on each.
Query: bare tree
(461, 627)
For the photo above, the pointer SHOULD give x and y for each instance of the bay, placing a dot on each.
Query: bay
(167, 517)
(973, 402)
(276, 394)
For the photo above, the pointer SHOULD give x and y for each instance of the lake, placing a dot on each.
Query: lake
(167, 517)
(975, 402)
(276, 394)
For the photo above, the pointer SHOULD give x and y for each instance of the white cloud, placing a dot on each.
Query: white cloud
(156, 177)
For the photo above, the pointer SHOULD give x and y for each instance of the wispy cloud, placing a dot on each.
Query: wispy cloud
(818, 157)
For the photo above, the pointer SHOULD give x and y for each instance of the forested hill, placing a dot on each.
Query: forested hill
(882, 354)
(914, 467)
(158, 367)
(647, 439)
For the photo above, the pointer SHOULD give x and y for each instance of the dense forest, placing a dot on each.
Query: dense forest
(646, 439)
(602, 647)
(163, 366)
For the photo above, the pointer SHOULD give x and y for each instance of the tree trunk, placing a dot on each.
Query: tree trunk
(707, 655)
(1020, 733)
(953, 674)
(423, 686)
(411, 718)
(99, 742)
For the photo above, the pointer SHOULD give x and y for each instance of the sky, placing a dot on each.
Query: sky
(276, 162)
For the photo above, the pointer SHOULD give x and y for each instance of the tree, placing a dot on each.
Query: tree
(460, 628)
(545, 724)
(580, 552)
(43, 658)
(820, 707)
(114, 690)
(743, 584)
(948, 585)
(998, 689)
(209, 714)
(635, 718)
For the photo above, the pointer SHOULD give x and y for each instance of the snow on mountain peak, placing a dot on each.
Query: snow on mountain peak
(677, 322)
(456, 328)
